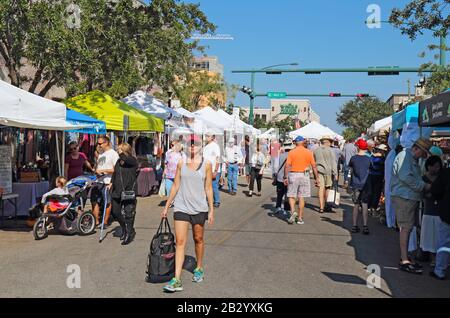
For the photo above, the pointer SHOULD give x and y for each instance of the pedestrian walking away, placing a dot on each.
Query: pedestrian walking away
(348, 152)
(375, 181)
(359, 166)
(123, 192)
(296, 178)
(327, 168)
(279, 180)
(193, 204)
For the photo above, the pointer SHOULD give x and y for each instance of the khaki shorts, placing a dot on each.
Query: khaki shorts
(325, 181)
(406, 212)
(299, 186)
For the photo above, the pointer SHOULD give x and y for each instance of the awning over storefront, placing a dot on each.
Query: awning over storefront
(435, 111)
(117, 115)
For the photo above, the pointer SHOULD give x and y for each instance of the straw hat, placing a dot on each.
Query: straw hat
(330, 138)
(382, 147)
(423, 144)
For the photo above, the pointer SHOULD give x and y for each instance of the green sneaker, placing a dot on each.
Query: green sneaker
(174, 285)
(199, 273)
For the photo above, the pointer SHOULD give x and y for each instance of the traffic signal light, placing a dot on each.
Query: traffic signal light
(362, 95)
(335, 95)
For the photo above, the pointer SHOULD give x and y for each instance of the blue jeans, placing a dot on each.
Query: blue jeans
(169, 184)
(216, 192)
(443, 258)
(233, 170)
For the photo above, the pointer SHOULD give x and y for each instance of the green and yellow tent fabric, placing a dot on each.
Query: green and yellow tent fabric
(101, 106)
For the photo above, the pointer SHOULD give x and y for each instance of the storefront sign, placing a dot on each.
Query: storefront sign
(435, 111)
(5, 169)
(289, 109)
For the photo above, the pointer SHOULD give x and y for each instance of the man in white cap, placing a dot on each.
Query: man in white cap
(233, 158)
(212, 153)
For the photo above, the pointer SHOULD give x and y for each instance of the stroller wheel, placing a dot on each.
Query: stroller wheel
(86, 223)
(40, 229)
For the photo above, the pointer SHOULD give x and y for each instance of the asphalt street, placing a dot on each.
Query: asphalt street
(249, 253)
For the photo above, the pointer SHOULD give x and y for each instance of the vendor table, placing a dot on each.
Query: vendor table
(146, 181)
(12, 199)
(29, 193)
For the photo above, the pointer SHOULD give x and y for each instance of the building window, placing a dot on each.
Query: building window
(257, 117)
(304, 110)
(273, 109)
(264, 118)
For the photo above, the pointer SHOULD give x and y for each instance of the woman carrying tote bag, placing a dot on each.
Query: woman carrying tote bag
(124, 188)
(193, 195)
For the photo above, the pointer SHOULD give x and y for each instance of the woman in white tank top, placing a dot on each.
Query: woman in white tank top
(192, 195)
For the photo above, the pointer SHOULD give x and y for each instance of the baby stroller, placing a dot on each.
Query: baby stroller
(66, 212)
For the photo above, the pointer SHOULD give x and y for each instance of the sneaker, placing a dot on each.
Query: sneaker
(293, 218)
(199, 273)
(300, 221)
(217, 205)
(173, 286)
(279, 210)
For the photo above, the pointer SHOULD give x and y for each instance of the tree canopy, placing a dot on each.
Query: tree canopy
(359, 114)
(114, 46)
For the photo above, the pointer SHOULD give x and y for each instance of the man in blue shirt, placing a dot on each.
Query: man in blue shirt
(360, 165)
(406, 188)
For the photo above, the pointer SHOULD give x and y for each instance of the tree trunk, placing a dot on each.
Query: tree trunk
(36, 80)
(47, 87)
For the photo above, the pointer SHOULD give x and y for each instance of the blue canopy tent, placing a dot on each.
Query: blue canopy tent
(98, 127)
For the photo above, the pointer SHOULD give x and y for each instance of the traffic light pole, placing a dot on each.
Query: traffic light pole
(443, 51)
(313, 95)
(252, 101)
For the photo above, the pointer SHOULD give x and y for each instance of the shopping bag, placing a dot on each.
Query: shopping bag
(162, 188)
(161, 258)
(334, 197)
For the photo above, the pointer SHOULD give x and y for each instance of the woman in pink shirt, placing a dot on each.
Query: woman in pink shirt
(75, 162)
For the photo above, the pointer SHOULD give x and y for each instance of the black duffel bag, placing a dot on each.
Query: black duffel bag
(161, 259)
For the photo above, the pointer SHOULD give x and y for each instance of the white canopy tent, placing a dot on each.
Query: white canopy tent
(314, 130)
(212, 119)
(380, 126)
(151, 105)
(269, 134)
(22, 109)
(240, 125)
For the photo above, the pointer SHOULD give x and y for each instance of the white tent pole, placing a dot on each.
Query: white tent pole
(63, 153)
(57, 152)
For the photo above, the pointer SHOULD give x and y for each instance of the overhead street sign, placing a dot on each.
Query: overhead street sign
(276, 95)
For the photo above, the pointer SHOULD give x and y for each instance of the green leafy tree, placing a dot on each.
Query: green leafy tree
(413, 20)
(359, 114)
(116, 47)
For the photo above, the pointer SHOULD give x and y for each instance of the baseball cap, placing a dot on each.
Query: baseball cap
(299, 139)
(361, 144)
(193, 139)
(436, 151)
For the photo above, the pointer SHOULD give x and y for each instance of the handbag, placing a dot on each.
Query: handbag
(334, 197)
(127, 195)
(161, 258)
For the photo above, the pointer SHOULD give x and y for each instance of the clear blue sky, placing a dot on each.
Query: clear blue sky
(320, 33)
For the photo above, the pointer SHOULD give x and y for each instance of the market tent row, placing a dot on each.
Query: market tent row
(152, 106)
(314, 130)
(117, 115)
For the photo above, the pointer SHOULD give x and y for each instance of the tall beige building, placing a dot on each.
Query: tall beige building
(283, 108)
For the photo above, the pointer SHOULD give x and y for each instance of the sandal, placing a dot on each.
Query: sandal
(366, 230)
(355, 229)
(321, 211)
(411, 268)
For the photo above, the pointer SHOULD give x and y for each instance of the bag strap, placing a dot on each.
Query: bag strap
(282, 166)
